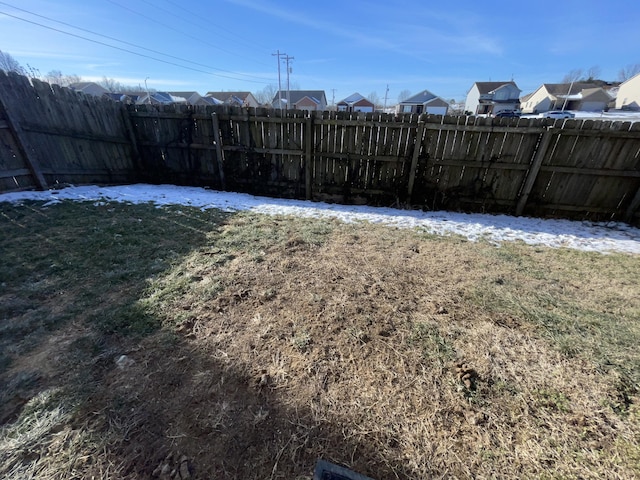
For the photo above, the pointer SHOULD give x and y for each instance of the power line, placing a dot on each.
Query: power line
(278, 55)
(207, 25)
(287, 58)
(127, 50)
(132, 44)
(143, 15)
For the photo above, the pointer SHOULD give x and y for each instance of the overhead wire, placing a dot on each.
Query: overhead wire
(165, 25)
(131, 44)
(127, 50)
(208, 24)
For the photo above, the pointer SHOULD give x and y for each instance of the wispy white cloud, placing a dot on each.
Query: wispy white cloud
(51, 55)
(300, 18)
(157, 83)
(424, 39)
(98, 66)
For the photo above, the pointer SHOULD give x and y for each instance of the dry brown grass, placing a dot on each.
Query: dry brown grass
(287, 340)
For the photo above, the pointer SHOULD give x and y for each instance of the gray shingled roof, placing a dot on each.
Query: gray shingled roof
(356, 97)
(487, 87)
(420, 98)
(297, 95)
(563, 88)
(224, 96)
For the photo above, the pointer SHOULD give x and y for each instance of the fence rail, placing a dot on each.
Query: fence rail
(540, 167)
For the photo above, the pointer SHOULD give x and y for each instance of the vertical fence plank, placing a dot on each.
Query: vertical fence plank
(417, 147)
(217, 138)
(308, 154)
(530, 179)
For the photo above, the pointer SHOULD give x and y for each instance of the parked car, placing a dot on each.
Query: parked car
(508, 114)
(558, 114)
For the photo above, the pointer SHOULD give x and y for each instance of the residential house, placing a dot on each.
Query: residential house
(236, 99)
(128, 98)
(192, 98)
(356, 103)
(310, 100)
(424, 102)
(89, 88)
(489, 98)
(583, 96)
(629, 94)
(160, 98)
(211, 101)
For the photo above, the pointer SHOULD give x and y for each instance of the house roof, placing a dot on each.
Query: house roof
(224, 96)
(354, 98)
(183, 94)
(296, 95)
(526, 97)
(161, 98)
(211, 100)
(488, 87)
(595, 94)
(635, 77)
(82, 86)
(420, 98)
(120, 97)
(563, 88)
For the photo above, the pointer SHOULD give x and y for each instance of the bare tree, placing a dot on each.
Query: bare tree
(59, 78)
(266, 95)
(573, 75)
(375, 99)
(629, 71)
(403, 95)
(593, 73)
(10, 64)
(111, 84)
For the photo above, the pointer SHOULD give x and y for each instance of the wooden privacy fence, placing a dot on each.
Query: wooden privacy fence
(51, 135)
(540, 167)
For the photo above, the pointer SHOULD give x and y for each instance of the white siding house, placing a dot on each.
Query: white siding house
(566, 96)
(424, 102)
(492, 97)
(629, 94)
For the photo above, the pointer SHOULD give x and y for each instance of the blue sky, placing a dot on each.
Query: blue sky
(341, 47)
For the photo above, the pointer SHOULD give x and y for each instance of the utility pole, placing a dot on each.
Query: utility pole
(386, 96)
(287, 58)
(278, 54)
(568, 94)
(147, 89)
(333, 97)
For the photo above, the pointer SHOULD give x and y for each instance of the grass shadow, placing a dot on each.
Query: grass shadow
(99, 382)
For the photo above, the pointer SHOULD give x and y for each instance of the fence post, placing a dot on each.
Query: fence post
(632, 208)
(530, 179)
(414, 159)
(128, 125)
(308, 154)
(219, 150)
(23, 146)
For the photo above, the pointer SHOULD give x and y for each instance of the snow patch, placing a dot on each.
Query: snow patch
(603, 237)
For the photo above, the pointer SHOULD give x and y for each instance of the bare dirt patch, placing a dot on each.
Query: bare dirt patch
(282, 340)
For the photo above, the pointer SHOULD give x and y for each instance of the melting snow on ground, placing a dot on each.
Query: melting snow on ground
(588, 236)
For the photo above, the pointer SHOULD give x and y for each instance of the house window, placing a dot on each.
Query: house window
(406, 109)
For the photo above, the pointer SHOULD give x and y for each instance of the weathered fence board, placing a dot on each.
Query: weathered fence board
(64, 137)
(570, 168)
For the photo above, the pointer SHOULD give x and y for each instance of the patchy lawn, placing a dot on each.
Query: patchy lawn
(139, 342)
